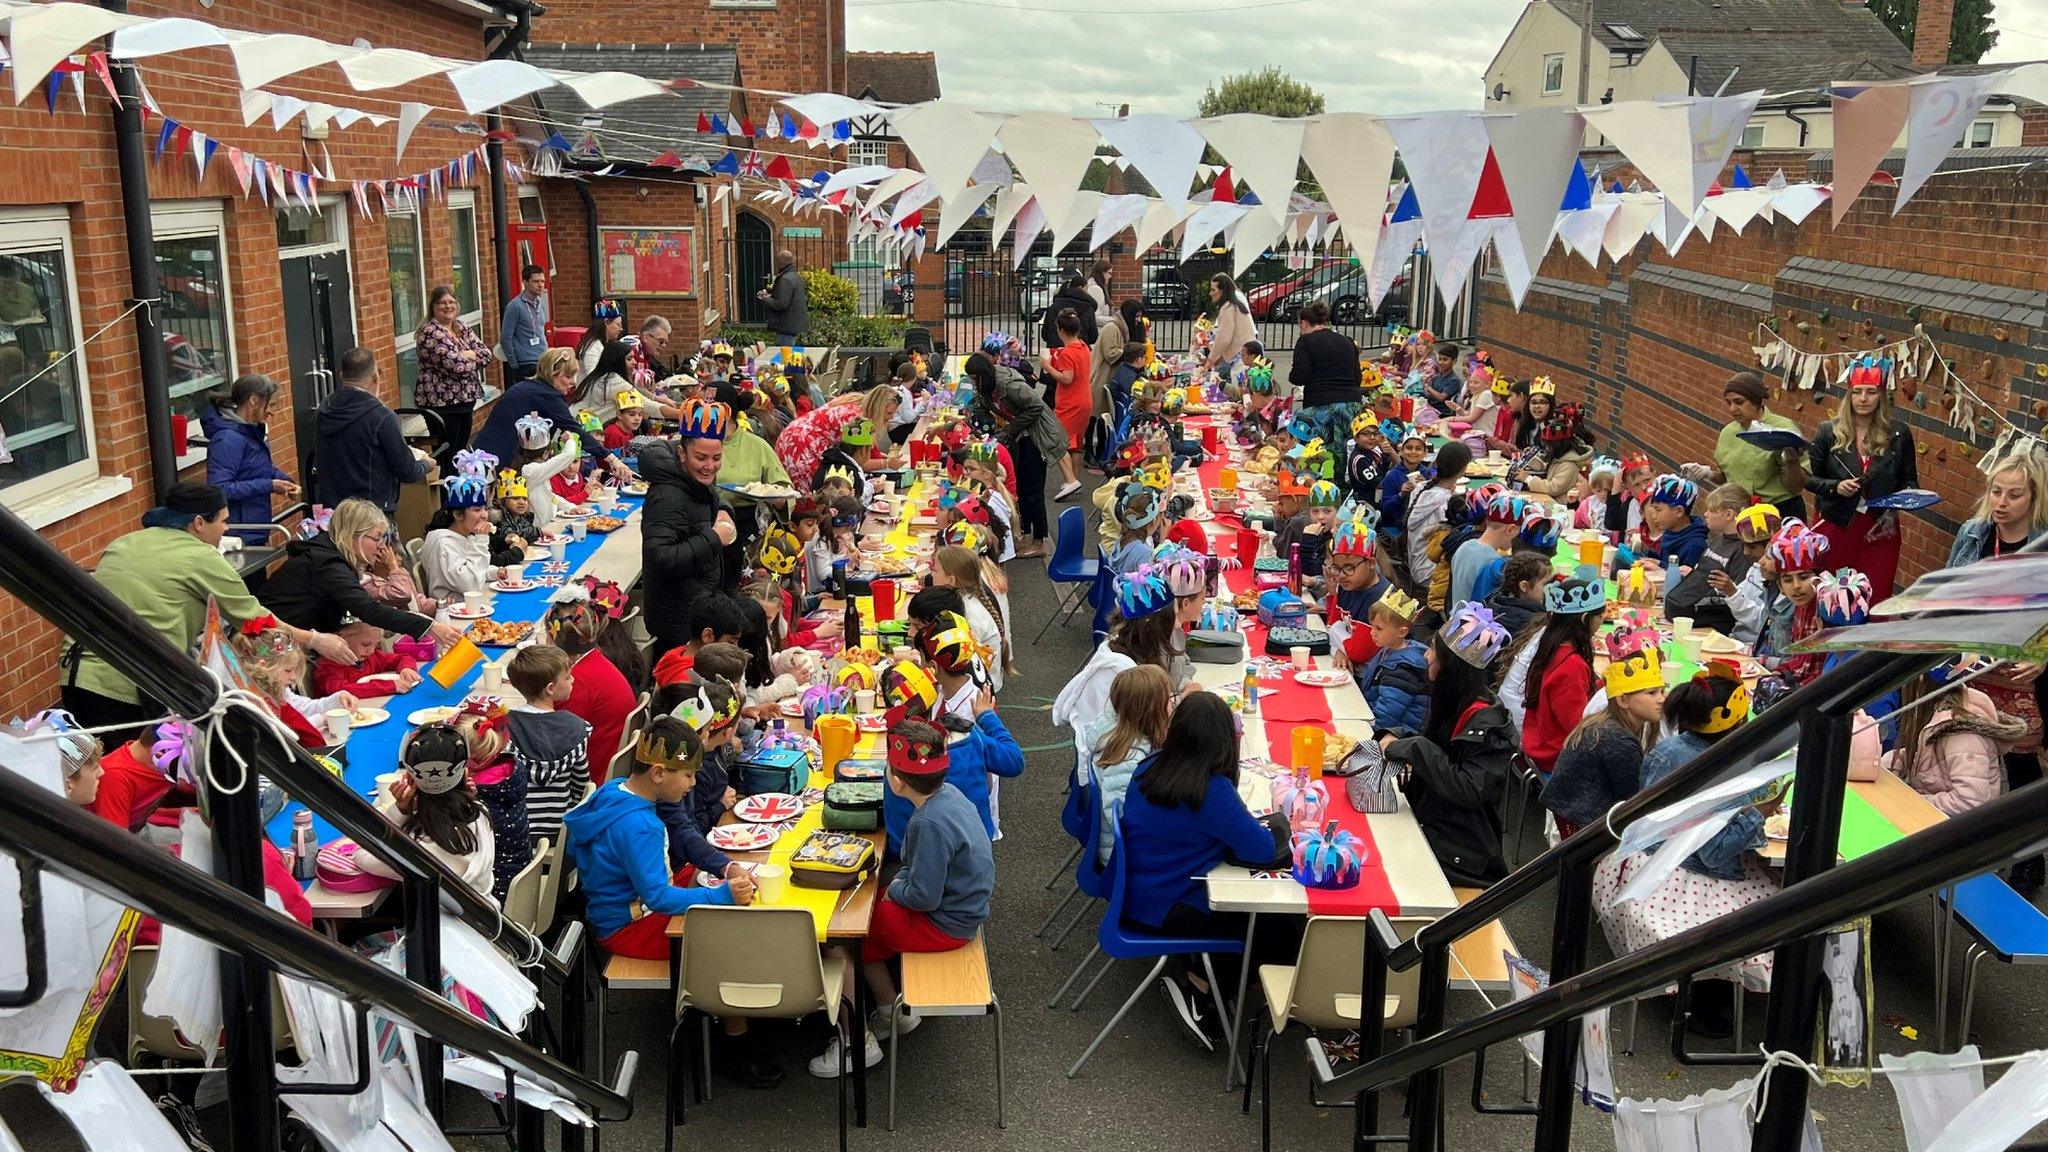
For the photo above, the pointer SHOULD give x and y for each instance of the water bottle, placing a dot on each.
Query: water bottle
(305, 846)
(852, 625)
(1251, 691)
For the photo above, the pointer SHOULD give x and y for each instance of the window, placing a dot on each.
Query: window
(462, 263)
(866, 150)
(1753, 134)
(323, 228)
(1553, 74)
(530, 209)
(1624, 32)
(42, 385)
(192, 275)
(1981, 134)
(404, 260)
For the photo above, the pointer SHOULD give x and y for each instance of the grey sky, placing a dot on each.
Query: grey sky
(1362, 55)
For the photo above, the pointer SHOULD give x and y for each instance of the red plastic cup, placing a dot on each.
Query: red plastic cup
(1212, 440)
(1247, 545)
(884, 592)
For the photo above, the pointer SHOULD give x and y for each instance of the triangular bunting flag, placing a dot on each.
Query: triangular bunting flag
(1490, 200)
(180, 140)
(1224, 191)
(1537, 152)
(703, 123)
(779, 169)
(51, 87)
(728, 164)
(667, 160)
(1578, 190)
(1164, 149)
(718, 125)
(1352, 154)
(746, 127)
(410, 114)
(1740, 179)
(1406, 208)
(843, 130)
(753, 165)
(163, 137)
(788, 127)
(1052, 152)
(260, 176)
(1264, 154)
(202, 151)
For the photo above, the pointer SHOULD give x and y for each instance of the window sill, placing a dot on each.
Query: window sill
(194, 455)
(48, 510)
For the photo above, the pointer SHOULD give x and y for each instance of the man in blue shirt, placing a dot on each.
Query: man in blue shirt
(523, 333)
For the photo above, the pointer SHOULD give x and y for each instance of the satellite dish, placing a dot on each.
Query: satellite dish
(1500, 91)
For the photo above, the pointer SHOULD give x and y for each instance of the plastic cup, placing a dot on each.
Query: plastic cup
(1227, 478)
(493, 678)
(336, 722)
(384, 782)
(515, 574)
(578, 529)
(1300, 658)
(864, 700)
(473, 601)
(771, 883)
(1681, 628)
(562, 546)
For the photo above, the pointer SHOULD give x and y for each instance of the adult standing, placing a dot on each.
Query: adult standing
(167, 572)
(451, 382)
(2012, 515)
(523, 331)
(362, 455)
(1863, 454)
(1126, 325)
(607, 323)
(547, 395)
(1098, 287)
(1027, 427)
(1771, 476)
(1072, 295)
(321, 580)
(802, 445)
(787, 314)
(1068, 364)
(238, 460)
(1327, 377)
(1234, 328)
(685, 526)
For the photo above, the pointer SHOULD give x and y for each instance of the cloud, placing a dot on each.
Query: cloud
(1385, 56)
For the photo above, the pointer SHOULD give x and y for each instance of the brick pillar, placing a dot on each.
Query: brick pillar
(1931, 33)
(928, 308)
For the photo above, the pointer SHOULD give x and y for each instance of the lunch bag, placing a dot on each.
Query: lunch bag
(831, 860)
(853, 807)
(1282, 641)
(860, 771)
(1209, 646)
(775, 770)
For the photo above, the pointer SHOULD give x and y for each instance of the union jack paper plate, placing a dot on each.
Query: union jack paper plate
(769, 808)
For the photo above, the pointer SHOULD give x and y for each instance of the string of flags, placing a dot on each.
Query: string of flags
(774, 126)
(1915, 369)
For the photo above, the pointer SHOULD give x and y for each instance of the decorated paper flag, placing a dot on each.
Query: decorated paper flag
(703, 123)
(1490, 200)
(779, 169)
(202, 152)
(753, 165)
(771, 129)
(788, 127)
(718, 125)
(455, 663)
(728, 164)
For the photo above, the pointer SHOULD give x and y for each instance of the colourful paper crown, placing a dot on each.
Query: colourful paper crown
(838, 472)
(704, 420)
(1288, 482)
(1844, 597)
(1185, 573)
(1870, 371)
(1634, 459)
(607, 309)
(1539, 530)
(1159, 370)
(1676, 491)
(1218, 616)
(984, 451)
(962, 534)
(855, 676)
(1328, 857)
(471, 484)
(587, 420)
(780, 551)
(1638, 671)
(1399, 605)
(1259, 379)
(1501, 385)
(698, 713)
(906, 683)
(721, 349)
(606, 594)
(1796, 548)
(1138, 506)
(1506, 508)
(437, 758)
(1473, 635)
(917, 748)
(1574, 596)
(1324, 494)
(1564, 425)
(1352, 538)
(1632, 633)
(825, 700)
(1758, 523)
(1364, 422)
(1140, 594)
(1129, 455)
(950, 646)
(535, 430)
(995, 343)
(1369, 380)
(655, 752)
(1543, 386)
(629, 401)
(1158, 475)
(511, 485)
(1316, 459)
(1603, 466)
(1737, 709)
(1173, 403)
(860, 433)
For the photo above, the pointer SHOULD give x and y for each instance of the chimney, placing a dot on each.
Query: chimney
(1931, 32)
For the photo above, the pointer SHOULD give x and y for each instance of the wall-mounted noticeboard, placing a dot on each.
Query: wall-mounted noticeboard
(649, 261)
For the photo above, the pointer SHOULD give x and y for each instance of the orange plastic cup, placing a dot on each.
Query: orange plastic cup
(1227, 478)
(1591, 549)
(1308, 745)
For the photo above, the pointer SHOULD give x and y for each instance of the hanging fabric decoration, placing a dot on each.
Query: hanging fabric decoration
(1352, 154)
(1867, 123)
(1165, 151)
(410, 114)
(1052, 154)
(1933, 1089)
(1536, 155)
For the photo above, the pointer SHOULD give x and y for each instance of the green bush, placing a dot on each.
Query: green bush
(742, 337)
(829, 295)
(827, 331)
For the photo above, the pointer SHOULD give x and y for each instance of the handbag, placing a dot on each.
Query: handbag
(831, 860)
(2015, 700)
(853, 806)
(1209, 646)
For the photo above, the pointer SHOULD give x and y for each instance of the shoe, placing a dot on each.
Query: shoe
(906, 1023)
(825, 1065)
(184, 1120)
(1037, 553)
(740, 1060)
(1067, 491)
(1187, 1007)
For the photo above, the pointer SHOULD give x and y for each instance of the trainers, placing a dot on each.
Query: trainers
(825, 1065)
(1067, 490)
(906, 1023)
(1187, 1007)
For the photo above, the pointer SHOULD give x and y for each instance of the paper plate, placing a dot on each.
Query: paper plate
(463, 612)
(873, 724)
(745, 837)
(432, 715)
(508, 586)
(1322, 678)
(769, 808)
(364, 717)
(792, 708)
(574, 514)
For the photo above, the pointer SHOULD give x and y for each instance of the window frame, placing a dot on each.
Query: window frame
(185, 220)
(404, 342)
(33, 229)
(1761, 129)
(464, 200)
(859, 145)
(1556, 58)
(1990, 135)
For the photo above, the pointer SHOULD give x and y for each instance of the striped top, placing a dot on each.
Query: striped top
(553, 749)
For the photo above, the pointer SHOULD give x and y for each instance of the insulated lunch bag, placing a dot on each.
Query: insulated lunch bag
(851, 807)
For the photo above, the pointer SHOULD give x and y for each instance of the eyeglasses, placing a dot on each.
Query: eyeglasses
(1343, 569)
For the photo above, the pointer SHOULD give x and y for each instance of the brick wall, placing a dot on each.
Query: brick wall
(1647, 344)
(66, 160)
(784, 45)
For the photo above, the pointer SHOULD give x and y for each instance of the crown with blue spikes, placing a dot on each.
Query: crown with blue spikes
(1142, 593)
(1539, 530)
(471, 484)
(1259, 378)
(1674, 490)
(1352, 538)
(1138, 506)
(1575, 595)
(705, 420)
(1219, 616)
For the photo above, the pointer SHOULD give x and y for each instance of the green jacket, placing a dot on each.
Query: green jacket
(166, 575)
(749, 459)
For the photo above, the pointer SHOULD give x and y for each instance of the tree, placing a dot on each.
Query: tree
(1269, 92)
(1970, 36)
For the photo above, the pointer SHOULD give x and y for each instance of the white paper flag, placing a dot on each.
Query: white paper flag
(1352, 154)
(948, 138)
(1625, 228)
(1797, 202)
(1444, 153)
(1262, 151)
(1938, 109)
(1162, 148)
(1933, 1089)
(1159, 219)
(1252, 235)
(1514, 265)
(960, 209)
(1536, 150)
(916, 197)
(1582, 229)
(1052, 153)
(1009, 202)
(859, 176)
(1081, 211)
(409, 116)
(2005, 1112)
(1030, 222)
(1396, 244)
(1116, 214)
(1207, 221)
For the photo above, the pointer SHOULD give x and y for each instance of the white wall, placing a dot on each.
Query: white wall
(1542, 30)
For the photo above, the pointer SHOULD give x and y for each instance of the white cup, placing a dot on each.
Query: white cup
(561, 547)
(473, 601)
(1300, 656)
(578, 529)
(337, 723)
(771, 883)
(864, 700)
(384, 782)
(493, 678)
(515, 574)
(1681, 627)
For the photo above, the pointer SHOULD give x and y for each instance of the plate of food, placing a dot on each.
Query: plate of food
(1778, 826)
(744, 837)
(761, 490)
(575, 512)
(769, 808)
(460, 611)
(492, 634)
(603, 524)
(509, 586)
(636, 488)
(1322, 677)
(1720, 644)
(434, 715)
(363, 716)
(792, 708)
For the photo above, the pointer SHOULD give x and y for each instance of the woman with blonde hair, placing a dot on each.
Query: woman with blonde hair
(321, 580)
(1861, 455)
(988, 617)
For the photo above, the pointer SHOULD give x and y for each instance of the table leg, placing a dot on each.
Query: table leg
(859, 1032)
(1943, 922)
(1244, 975)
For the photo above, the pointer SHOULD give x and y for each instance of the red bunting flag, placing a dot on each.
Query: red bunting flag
(779, 169)
(703, 123)
(746, 126)
(1226, 192)
(1490, 202)
(808, 131)
(667, 160)
(180, 140)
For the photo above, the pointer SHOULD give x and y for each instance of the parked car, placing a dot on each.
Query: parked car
(1347, 298)
(1167, 296)
(1287, 304)
(1265, 296)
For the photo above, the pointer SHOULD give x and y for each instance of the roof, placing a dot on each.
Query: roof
(1774, 66)
(1778, 27)
(893, 77)
(639, 130)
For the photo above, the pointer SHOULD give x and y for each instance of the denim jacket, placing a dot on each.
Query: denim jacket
(1969, 546)
(1720, 857)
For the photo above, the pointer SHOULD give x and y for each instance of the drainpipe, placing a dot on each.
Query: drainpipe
(1793, 115)
(494, 152)
(594, 256)
(142, 282)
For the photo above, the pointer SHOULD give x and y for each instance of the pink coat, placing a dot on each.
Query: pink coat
(1960, 763)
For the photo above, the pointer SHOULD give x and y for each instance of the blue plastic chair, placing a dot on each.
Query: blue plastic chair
(1069, 565)
(1089, 878)
(1122, 943)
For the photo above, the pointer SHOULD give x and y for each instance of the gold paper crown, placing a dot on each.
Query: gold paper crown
(1400, 604)
(511, 485)
(1543, 386)
(1639, 671)
(628, 399)
(837, 472)
(654, 751)
(1737, 708)
(1158, 474)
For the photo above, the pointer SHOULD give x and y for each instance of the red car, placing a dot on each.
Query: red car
(1265, 296)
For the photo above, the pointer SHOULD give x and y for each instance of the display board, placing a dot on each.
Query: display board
(649, 261)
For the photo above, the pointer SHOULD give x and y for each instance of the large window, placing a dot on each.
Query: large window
(1553, 74)
(406, 264)
(866, 150)
(43, 407)
(192, 275)
(462, 260)
(1981, 134)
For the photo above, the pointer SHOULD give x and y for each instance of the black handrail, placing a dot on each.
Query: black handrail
(37, 824)
(1957, 848)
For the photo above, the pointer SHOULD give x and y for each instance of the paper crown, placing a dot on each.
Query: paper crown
(839, 472)
(1173, 403)
(1562, 426)
(535, 430)
(1159, 370)
(1287, 482)
(607, 309)
(1676, 491)
(704, 420)
(721, 349)
(1259, 379)
(1140, 594)
(825, 700)
(1364, 422)
(698, 712)
(1185, 573)
(1633, 460)
(1157, 475)
(1324, 494)
(1736, 710)
(1758, 523)
(984, 451)
(1870, 371)
(1352, 538)
(1844, 597)
(962, 534)
(1501, 385)
(1129, 455)
(1637, 671)
(906, 683)
(606, 594)
(1138, 505)
(1369, 380)
(860, 433)
(587, 420)
(780, 551)
(1218, 616)
(917, 747)
(629, 401)
(1472, 634)
(950, 646)
(1797, 548)
(795, 362)
(855, 676)
(1539, 530)
(436, 756)
(1575, 596)
(1543, 386)
(1606, 466)
(1633, 633)
(1315, 459)
(511, 485)
(995, 342)
(1506, 507)
(470, 486)
(655, 752)
(1399, 605)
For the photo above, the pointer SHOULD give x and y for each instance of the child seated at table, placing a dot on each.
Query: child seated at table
(132, 789)
(619, 847)
(711, 708)
(1519, 598)
(432, 802)
(273, 665)
(516, 527)
(1123, 389)
(713, 618)
(807, 520)
(1549, 677)
(1603, 475)
(939, 897)
(376, 671)
(1749, 598)
(1795, 555)
(834, 482)
(631, 417)
(1680, 536)
(1693, 595)
(500, 783)
(1138, 507)
(1457, 763)
(1501, 522)
(1367, 462)
(1113, 744)
(552, 745)
(842, 463)
(1352, 577)
(1953, 753)
(546, 452)
(982, 751)
(956, 660)
(1602, 760)
(1395, 682)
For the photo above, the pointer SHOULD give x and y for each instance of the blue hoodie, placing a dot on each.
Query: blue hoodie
(1686, 543)
(619, 849)
(969, 760)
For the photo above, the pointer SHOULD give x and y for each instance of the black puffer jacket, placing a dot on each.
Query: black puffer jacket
(1083, 306)
(680, 553)
(316, 586)
(1456, 794)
